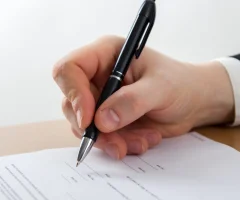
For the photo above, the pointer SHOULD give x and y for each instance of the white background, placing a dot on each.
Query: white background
(34, 34)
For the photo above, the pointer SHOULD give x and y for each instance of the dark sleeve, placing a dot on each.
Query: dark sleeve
(237, 56)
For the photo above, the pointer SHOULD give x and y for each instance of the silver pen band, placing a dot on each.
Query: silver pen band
(113, 76)
(119, 72)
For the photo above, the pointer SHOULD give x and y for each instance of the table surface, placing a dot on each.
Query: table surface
(57, 134)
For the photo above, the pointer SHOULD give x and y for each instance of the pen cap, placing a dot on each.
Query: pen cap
(137, 37)
(148, 10)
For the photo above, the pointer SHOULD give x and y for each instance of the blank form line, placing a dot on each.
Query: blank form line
(4, 194)
(116, 190)
(130, 167)
(69, 195)
(8, 192)
(17, 179)
(197, 137)
(160, 167)
(29, 182)
(147, 163)
(143, 188)
(92, 169)
(10, 188)
(76, 171)
(66, 179)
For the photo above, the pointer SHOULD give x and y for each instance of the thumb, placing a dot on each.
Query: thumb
(125, 106)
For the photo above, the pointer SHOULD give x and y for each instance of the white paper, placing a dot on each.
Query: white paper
(185, 167)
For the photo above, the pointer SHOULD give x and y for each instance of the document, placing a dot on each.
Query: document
(185, 167)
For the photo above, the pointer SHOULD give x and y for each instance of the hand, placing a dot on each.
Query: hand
(161, 97)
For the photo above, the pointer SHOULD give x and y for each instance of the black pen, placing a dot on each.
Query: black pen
(134, 45)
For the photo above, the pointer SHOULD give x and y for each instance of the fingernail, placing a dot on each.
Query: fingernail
(109, 118)
(112, 151)
(135, 146)
(79, 118)
(152, 138)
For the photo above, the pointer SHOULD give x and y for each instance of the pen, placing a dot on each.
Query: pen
(133, 45)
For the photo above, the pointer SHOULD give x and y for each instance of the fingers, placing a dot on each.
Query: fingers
(126, 142)
(96, 59)
(117, 145)
(81, 76)
(71, 117)
(113, 144)
(140, 140)
(125, 106)
(75, 85)
(129, 142)
(152, 136)
(74, 72)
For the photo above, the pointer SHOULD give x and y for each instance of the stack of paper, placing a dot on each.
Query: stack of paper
(185, 167)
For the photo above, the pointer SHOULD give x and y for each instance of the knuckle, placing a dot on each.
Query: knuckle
(65, 104)
(75, 101)
(72, 96)
(56, 70)
(60, 69)
(72, 101)
(61, 73)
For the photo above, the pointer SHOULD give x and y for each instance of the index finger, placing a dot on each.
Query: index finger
(92, 63)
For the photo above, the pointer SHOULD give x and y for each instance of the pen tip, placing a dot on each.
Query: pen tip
(77, 164)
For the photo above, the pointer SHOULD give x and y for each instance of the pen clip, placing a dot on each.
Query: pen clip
(144, 39)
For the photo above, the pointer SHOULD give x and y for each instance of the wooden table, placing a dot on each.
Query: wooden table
(57, 134)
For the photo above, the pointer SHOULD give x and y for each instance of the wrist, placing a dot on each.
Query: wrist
(216, 100)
